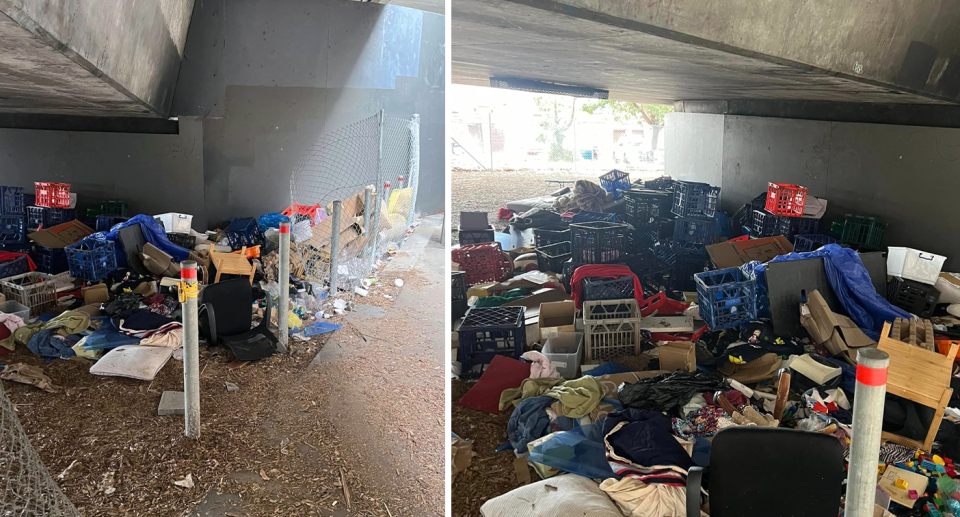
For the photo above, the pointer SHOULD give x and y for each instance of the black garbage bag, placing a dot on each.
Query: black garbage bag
(537, 218)
(670, 391)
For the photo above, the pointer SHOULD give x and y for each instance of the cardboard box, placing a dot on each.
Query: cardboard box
(556, 317)
(735, 254)
(678, 355)
(538, 297)
(473, 221)
(61, 235)
(95, 294)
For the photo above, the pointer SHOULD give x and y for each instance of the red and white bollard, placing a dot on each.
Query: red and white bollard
(191, 348)
(284, 280)
(867, 426)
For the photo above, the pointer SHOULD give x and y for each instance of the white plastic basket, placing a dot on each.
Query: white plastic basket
(914, 264)
(565, 351)
(175, 223)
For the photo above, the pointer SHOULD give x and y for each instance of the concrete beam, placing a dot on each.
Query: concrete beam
(931, 115)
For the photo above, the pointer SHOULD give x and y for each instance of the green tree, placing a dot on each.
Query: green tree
(627, 112)
(554, 125)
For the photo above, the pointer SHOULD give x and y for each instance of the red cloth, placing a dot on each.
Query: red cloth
(502, 373)
(9, 255)
(504, 213)
(601, 271)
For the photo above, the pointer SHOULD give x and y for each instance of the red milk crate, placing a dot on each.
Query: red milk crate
(482, 262)
(785, 199)
(52, 195)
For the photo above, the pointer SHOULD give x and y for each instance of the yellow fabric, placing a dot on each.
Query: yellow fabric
(399, 203)
(578, 396)
(638, 499)
(528, 388)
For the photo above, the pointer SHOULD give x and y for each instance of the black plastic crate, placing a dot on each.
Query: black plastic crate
(686, 261)
(489, 331)
(790, 226)
(458, 294)
(476, 236)
(544, 236)
(644, 208)
(107, 221)
(50, 260)
(598, 242)
(691, 199)
(55, 216)
(694, 230)
(14, 267)
(912, 296)
(764, 224)
(810, 242)
(664, 183)
(183, 240)
(552, 256)
(35, 216)
(608, 288)
(12, 229)
(113, 208)
(568, 268)
(11, 201)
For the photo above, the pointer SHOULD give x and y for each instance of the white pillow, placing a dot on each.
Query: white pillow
(567, 495)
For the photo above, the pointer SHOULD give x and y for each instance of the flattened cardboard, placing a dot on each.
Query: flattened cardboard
(837, 333)
(473, 221)
(735, 254)
(61, 235)
(532, 302)
(678, 355)
(557, 317)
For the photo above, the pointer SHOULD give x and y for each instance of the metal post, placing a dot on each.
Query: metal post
(867, 422)
(375, 234)
(283, 310)
(335, 246)
(367, 199)
(413, 174)
(191, 349)
(490, 123)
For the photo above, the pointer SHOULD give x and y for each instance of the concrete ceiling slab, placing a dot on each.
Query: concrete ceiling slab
(514, 39)
(36, 78)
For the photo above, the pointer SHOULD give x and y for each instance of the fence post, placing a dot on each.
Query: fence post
(413, 174)
(867, 423)
(335, 246)
(191, 350)
(283, 310)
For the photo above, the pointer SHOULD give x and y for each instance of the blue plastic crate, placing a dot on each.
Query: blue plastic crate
(55, 216)
(764, 224)
(692, 199)
(11, 200)
(694, 231)
(810, 242)
(50, 260)
(790, 226)
(91, 259)
(12, 229)
(107, 221)
(726, 297)
(35, 216)
(584, 216)
(644, 208)
(490, 331)
(615, 182)
(243, 231)
(14, 267)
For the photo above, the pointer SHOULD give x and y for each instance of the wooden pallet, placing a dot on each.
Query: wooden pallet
(921, 376)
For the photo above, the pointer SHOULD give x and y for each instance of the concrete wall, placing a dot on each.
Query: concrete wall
(133, 45)
(693, 148)
(152, 173)
(905, 175)
(271, 77)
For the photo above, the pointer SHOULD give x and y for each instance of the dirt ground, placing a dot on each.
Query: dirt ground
(488, 191)
(275, 447)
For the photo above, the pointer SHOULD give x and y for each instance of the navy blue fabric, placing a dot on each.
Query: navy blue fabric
(850, 283)
(153, 232)
(47, 344)
(647, 440)
(528, 422)
(608, 369)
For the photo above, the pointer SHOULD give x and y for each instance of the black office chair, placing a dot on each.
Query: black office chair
(751, 468)
(226, 317)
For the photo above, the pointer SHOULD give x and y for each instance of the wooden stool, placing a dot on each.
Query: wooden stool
(232, 264)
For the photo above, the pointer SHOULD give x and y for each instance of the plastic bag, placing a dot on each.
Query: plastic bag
(153, 233)
(320, 327)
(668, 392)
(578, 451)
(267, 221)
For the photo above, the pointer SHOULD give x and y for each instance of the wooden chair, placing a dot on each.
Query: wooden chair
(920, 376)
(232, 264)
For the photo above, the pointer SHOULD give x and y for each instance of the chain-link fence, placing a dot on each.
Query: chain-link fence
(28, 489)
(380, 152)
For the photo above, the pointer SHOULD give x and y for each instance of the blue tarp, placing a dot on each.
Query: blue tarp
(850, 283)
(578, 451)
(153, 232)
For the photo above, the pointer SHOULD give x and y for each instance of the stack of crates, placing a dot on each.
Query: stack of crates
(611, 329)
(490, 331)
(12, 228)
(695, 205)
(36, 291)
(726, 297)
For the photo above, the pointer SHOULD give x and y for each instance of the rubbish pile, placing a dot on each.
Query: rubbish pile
(625, 329)
(104, 286)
